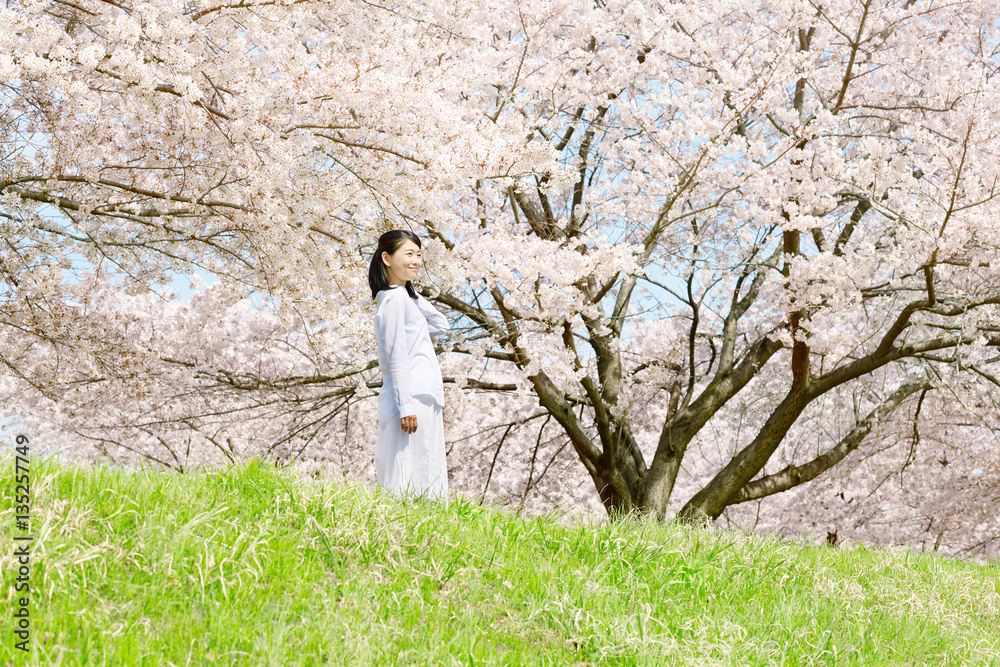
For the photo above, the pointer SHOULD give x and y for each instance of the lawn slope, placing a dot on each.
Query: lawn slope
(251, 566)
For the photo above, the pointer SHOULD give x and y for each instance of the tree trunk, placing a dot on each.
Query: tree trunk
(708, 504)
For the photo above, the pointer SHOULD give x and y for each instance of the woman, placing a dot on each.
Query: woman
(409, 452)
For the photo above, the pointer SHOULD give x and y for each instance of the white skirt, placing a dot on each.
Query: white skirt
(413, 463)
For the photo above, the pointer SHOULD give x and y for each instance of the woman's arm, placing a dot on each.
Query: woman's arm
(437, 323)
(391, 331)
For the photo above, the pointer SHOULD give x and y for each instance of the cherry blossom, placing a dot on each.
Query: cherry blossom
(719, 260)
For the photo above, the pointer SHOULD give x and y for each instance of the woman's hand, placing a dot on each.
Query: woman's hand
(408, 424)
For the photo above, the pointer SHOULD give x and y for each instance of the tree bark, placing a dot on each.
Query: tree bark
(793, 476)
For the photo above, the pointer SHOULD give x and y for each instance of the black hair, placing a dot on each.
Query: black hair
(378, 277)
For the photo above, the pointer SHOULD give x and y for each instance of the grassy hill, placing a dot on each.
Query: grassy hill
(251, 566)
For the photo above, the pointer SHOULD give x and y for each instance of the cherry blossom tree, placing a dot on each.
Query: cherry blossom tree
(720, 252)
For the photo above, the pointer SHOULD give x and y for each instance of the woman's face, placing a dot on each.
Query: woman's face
(403, 264)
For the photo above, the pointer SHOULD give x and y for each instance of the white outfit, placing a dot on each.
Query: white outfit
(411, 385)
(413, 463)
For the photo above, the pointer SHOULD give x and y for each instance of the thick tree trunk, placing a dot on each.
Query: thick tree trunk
(621, 472)
(714, 497)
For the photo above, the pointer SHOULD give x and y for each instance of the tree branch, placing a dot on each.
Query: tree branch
(793, 476)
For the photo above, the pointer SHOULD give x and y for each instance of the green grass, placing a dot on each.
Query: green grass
(252, 566)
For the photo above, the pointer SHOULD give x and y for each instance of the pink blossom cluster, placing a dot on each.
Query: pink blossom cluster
(718, 260)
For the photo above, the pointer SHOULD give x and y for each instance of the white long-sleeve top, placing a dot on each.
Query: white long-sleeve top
(403, 327)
